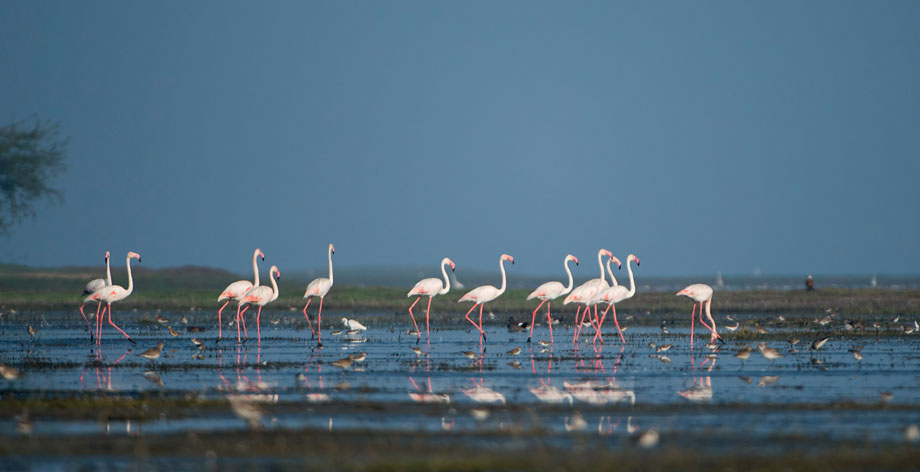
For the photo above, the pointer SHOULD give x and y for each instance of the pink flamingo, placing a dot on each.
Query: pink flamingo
(616, 294)
(430, 287)
(318, 288)
(701, 293)
(548, 292)
(111, 294)
(235, 291)
(584, 293)
(484, 294)
(92, 287)
(261, 296)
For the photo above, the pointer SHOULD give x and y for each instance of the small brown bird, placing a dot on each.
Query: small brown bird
(767, 380)
(744, 353)
(515, 351)
(160, 319)
(793, 341)
(712, 346)
(543, 343)
(664, 348)
(352, 332)
(412, 332)
(172, 332)
(733, 327)
(768, 352)
(469, 354)
(9, 372)
(154, 352)
(359, 357)
(819, 343)
(197, 342)
(32, 331)
(515, 364)
(417, 351)
(337, 332)
(184, 320)
(664, 329)
(652, 345)
(745, 379)
(343, 363)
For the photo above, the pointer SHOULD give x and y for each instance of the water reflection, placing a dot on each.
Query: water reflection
(479, 393)
(700, 389)
(426, 395)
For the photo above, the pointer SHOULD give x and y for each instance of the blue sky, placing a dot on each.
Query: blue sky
(715, 136)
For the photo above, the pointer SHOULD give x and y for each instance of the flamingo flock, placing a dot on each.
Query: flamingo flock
(587, 295)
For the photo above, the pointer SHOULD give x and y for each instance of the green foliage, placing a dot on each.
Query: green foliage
(31, 154)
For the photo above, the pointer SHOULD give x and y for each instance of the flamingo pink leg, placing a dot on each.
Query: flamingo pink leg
(706, 325)
(549, 322)
(88, 328)
(603, 317)
(116, 326)
(597, 326)
(427, 323)
(471, 320)
(413, 316)
(482, 334)
(319, 322)
(309, 325)
(242, 321)
(238, 338)
(534, 318)
(99, 323)
(219, 323)
(259, 326)
(692, 316)
(577, 324)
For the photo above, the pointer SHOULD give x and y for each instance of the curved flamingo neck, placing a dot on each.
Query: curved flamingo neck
(600, 263)
(108, 271)
(446, 279)
(330, 266)
(568, 287)
(501, 265)
(613, 279)
(275, 292)
(130, 278)
(632, 281)
(255, 268)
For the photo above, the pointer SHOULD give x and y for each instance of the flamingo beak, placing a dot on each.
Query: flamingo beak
(637, 262)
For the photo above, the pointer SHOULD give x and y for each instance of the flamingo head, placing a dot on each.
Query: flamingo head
(571, 258)
(452, 265)
(604, 252)
(331, 249)
(619, 264)
(508, 258)
(134, 255)
(107, 255)
(632, 257)
(276, 272)
(685, 292)
(260, 254)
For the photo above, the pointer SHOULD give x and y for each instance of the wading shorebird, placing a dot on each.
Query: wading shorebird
(616, 294)
(318, 288)
(235, 291)
(484, 294)
(701, 293)
(548, 292)
(429, 288)
(586, 292)
(111, 294)
(92, 287)
(261, 296)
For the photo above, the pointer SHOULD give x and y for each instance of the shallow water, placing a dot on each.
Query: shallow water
(598, 389)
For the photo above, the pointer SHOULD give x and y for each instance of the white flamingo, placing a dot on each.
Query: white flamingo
(701, 293)
(235, 291)
(261, 296)
(484, 294)
(616, 294)
(114, 293)
(584, 293)
(429, 288)
(318, 288)
(548, 292)
(92, 287)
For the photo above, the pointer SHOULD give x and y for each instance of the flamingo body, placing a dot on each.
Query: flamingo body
(484, 294)
(429, 287)
(549, 291)
(318, 288)
(698, 292)
(93, 286)
(702, 294)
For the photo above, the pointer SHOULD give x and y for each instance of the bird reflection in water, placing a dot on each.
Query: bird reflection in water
(701, 388)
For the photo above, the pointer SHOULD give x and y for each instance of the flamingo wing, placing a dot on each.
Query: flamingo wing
(483, 294)
(257, 296)
(318, 288)
(547, 291)
(235, 290)
(430, 286)
(93, 285)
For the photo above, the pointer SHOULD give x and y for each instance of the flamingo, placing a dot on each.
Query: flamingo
(91, 287)
(430, 287)
(700, 293)
(318, 288)
(235, 291)
(616, 294)
(484, 294)
(588, 290)
(114, 293)
(261, 296)
(548, 292)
